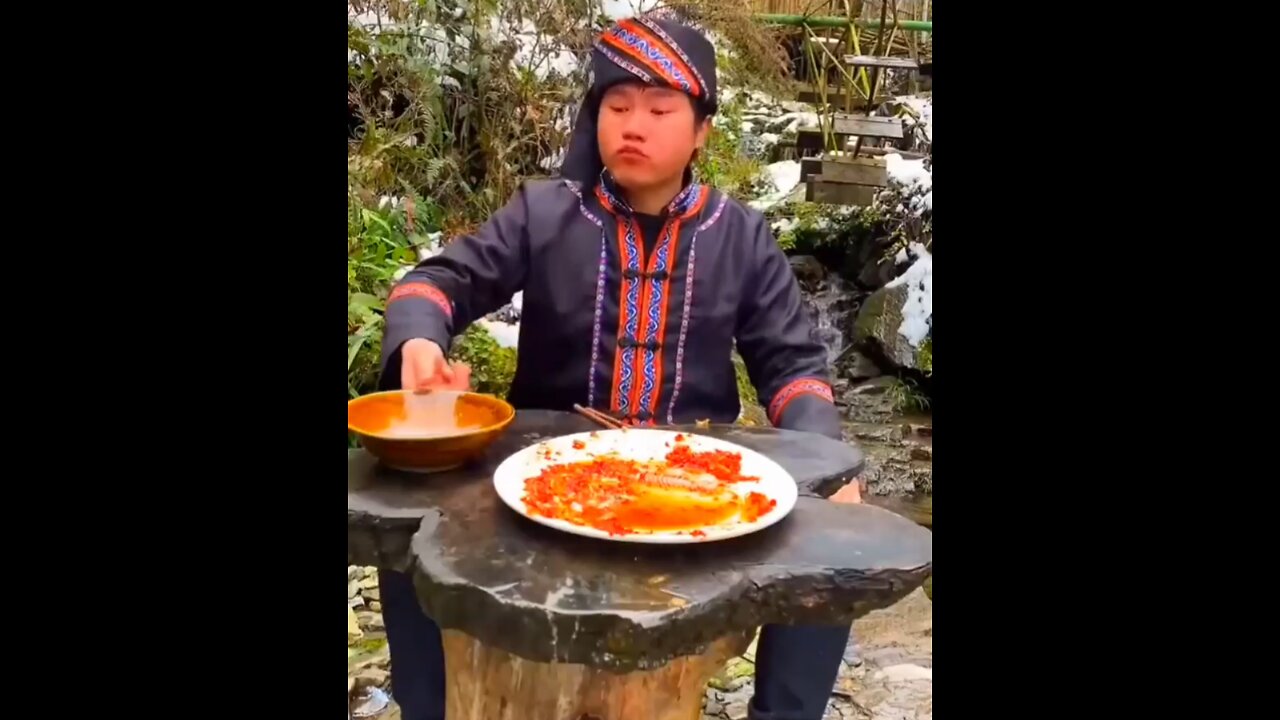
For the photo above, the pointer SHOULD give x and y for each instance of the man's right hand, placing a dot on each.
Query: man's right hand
(424, 367)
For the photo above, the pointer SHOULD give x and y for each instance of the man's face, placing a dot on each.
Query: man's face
(647, 135)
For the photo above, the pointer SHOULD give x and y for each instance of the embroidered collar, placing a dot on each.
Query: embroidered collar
(681, 206)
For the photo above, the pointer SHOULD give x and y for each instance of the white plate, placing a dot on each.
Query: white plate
(642, 445)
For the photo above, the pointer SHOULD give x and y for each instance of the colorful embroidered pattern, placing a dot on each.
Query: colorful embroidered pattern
(656, 29)
(638, 44)
(622, 62)
(643, 304)
(655, 325)
(793, 390)
(426, 291)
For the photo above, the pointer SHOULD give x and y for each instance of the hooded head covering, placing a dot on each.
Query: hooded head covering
(654, 50)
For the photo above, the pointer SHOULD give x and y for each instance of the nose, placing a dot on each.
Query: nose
(633, 127)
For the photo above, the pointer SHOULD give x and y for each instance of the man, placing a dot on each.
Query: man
(637, 282)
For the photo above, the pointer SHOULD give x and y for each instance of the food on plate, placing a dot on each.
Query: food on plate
(686, 491)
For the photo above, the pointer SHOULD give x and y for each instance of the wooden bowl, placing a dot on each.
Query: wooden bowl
(427, 432)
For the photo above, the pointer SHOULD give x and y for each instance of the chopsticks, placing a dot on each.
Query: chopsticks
(598, 417)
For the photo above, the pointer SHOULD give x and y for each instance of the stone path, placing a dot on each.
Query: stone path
(889, 677)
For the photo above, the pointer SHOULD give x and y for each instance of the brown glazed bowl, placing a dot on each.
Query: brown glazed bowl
(427, 432)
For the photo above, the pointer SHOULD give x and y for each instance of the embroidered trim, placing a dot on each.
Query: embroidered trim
(630, 308)
(793, 390)
(599, 308)
(656, 29)
(715, 215)
(637, 371)
(684, 326)
(622, 62)
(426, 291)
(639, 45)
(653, 329)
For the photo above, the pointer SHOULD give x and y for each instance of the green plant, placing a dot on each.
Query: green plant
(925, 356)
(492, 366)
(379, 241)
(721, 164)
(906, 396)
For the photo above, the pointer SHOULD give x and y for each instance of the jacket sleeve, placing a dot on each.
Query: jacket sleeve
(471, 277)
(786, 363)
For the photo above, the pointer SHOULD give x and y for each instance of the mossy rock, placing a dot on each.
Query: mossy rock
(877, 327)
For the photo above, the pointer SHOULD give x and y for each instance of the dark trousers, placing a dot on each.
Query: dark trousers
(796, 665)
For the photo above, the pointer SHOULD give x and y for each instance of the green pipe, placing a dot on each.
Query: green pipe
(820, 21)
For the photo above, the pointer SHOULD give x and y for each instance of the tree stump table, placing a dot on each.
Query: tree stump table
(542, 624)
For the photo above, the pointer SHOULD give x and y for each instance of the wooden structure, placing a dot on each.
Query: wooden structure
(853, 179)
(537, 623)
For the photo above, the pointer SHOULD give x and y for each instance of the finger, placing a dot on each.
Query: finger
(461, 376)
(446, 372)
(424, 373)
(408, 374)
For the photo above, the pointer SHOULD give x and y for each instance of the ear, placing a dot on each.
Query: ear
(700, 135)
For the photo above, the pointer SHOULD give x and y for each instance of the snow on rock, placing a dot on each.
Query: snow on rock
(897, 318)
(785, 176)
(917, 310)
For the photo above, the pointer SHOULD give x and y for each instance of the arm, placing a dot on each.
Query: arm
(473, 276)
(786, 364)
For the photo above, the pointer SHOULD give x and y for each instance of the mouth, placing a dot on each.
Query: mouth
(631, 152)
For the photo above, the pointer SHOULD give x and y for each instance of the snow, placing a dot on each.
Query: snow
(618, 9)
(785, 176)
(551, 56)
(909, 173)
(505, 334)
(922, 107)
(917, 311)
(915, 179)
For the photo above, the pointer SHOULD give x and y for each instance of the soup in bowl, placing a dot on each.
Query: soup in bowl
(427, 432)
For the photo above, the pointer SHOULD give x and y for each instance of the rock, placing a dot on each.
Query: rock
(375, 606)
(878, 386)
(808, 270)
(903, 673)
(371, 620)
(734, 674)
(737, 710)
(877, 328)
(857, 366)
(369, 582)
(712, 708)
(354, 632)
(876, 433)
(373, 594)
(353, 588)
(373, 676)
(355, 602)
(922, 430)
(920, 452)
(353, 573)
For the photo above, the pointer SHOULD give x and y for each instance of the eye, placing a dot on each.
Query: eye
(619, 108)
(658, 111)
